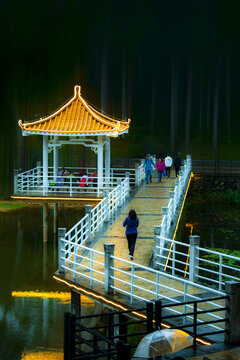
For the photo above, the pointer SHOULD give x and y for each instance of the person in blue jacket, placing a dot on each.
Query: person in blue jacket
(131, 222)
(148, 164)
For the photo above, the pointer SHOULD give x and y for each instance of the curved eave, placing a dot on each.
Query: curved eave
(107, 133)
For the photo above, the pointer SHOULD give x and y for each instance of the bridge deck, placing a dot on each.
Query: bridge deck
(147, 203)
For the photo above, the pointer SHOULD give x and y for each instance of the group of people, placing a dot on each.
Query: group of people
(163, 167)
(82, 179)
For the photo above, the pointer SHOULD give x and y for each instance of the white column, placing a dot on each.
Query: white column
(45, 162)
(107, 158)
(55, 162)
(100, 162)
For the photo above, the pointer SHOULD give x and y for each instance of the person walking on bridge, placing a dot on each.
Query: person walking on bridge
(148, 164)
(131, 223)
(168, 164)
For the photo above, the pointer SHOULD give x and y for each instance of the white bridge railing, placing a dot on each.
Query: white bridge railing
(96, 269)
(171, 212)
(196, 263)
(33, 182)
(94, 219)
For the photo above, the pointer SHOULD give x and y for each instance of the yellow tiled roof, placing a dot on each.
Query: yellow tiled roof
(75, 118)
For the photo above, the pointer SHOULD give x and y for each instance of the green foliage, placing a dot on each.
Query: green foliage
(8, 206)
(226, 261)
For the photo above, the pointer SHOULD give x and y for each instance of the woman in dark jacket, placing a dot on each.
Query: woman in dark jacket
(131, 222)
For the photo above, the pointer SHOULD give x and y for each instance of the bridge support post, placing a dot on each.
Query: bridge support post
(75, 303)
(109, 263)
(157, 232)
(176, 183)
(232, 336)
(88, 209)
(61, 249)
(55, 219)
(45, 222)
(194, 254)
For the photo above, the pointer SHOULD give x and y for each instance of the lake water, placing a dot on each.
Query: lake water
(32, 303)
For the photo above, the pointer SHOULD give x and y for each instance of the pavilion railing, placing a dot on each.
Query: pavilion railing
(33, 181)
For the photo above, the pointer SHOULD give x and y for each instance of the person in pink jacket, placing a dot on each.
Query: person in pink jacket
(160, 166)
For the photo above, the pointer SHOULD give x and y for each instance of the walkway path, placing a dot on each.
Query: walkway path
(147, 203)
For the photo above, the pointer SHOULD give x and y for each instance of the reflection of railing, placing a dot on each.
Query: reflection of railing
(93, 268)
(200, 265)
(33, 181)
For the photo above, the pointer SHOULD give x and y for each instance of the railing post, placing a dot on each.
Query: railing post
(88, 209)
(38, 171)
(119, 182)
(15, 181)
(176, 182)
(109, 263)
(193, 257)
(106, 206)
(136, 175)
(61, 250)
(157, 231)
(127, 175)
(70, 185)
(171, 196)
(165, 213)
(232, 335)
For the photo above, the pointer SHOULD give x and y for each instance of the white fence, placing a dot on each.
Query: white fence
(33, 181)
(196, 263)
(170, 213)
(94, 219)
(97, 269)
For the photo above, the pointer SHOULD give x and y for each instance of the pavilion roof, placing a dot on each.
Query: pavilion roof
(75, 118)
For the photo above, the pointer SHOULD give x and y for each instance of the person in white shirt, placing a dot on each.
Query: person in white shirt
(168, 163)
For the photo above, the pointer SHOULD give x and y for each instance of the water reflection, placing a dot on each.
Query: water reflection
(32, 304)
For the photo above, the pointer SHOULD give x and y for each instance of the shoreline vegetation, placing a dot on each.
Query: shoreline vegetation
(12, 205)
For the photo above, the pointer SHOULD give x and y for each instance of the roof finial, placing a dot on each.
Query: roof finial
(77, 90)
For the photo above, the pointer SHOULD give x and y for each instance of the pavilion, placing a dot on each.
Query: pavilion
(78, 123)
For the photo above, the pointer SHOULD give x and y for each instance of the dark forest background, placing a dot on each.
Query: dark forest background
(171, 66)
